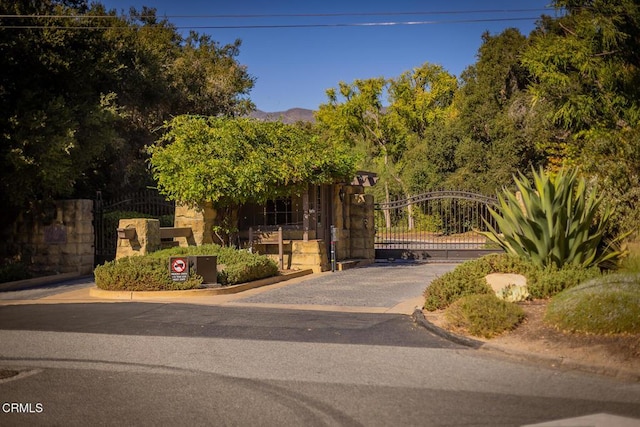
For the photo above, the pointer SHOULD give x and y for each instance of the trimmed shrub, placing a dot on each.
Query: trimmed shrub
(607, 305)
(484, 315)
(469, 279)
(240, 266)
(140, 273)
(151, 272)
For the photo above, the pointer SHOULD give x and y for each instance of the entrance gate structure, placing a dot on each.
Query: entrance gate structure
(108, 212)
(435, 226)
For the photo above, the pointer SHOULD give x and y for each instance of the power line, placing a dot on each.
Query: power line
(284, 15)
(274, 26)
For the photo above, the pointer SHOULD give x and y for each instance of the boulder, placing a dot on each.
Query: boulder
(508, 287)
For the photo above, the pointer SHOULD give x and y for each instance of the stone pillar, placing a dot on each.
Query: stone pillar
(354, 213)
(77, 252)
(200, 219)
(362, 227)
(144, 240)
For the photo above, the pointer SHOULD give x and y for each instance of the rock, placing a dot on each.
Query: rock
(509, 287)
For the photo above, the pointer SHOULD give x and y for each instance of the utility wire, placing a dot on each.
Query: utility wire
(222, 27)
(284, 15)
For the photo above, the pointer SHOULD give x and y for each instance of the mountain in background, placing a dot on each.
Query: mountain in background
(292, 115)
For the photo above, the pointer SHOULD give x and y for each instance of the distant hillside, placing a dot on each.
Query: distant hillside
(292, 115)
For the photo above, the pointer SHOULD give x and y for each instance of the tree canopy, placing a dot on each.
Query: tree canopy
(81, 98)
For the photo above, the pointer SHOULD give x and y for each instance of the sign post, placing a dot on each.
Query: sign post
(179, 268)
(334, 239)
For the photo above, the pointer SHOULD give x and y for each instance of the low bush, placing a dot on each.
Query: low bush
(607, 305)
(151, 272)
(484, 315)
(468, 279)
(547, 282)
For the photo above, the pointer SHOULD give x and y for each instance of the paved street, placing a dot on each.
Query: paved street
(331, 349)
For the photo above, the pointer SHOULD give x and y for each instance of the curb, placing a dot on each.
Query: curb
(226, 290)
(559, 362)
(418, 317)
(38, 281)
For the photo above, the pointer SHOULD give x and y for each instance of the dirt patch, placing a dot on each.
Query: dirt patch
(534, 336)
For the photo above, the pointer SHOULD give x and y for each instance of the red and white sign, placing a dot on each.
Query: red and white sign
(178, 265)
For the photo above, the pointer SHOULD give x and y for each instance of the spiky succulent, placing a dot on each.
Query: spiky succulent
(557, 220)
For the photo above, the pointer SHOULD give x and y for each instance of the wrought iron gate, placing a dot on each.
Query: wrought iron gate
(107, 213)
(437, 225)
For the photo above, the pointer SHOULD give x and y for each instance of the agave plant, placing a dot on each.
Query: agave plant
(556, 221)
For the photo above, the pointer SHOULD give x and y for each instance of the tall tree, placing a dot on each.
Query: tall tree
(493, 117)
(83, 90)
(586, 69)
(355, 115)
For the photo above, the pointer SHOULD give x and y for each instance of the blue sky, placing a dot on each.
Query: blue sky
(294, 66)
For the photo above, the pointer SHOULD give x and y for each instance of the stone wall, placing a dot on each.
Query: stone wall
(63, 243)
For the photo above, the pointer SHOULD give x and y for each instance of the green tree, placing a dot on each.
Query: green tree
(55, 119)
(421, 104)
(81, 95)
(494, 119)
(586, 70)
(356, 116)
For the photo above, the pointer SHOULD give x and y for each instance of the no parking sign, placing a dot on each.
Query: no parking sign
(179, 268)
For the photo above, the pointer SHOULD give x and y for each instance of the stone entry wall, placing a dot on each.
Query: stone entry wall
(353, 217)
(62, 244)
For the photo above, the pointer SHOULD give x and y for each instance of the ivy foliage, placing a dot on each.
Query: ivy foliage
(232, 161)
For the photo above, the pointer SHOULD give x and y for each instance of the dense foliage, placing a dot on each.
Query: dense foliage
(556, 221)
(564, 96)
(233, 161)
(81, 95)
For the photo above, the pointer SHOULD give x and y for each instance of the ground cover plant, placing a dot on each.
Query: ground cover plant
(469, 279)
(606, 305)
(151, 272)
(484, 315)
(469, 300)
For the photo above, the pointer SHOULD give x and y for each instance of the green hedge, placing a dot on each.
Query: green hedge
(151, 272)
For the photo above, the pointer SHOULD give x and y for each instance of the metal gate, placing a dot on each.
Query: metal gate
(107, 214)
(438, 225)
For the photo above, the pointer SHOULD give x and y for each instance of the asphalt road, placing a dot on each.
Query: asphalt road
(249, 364)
